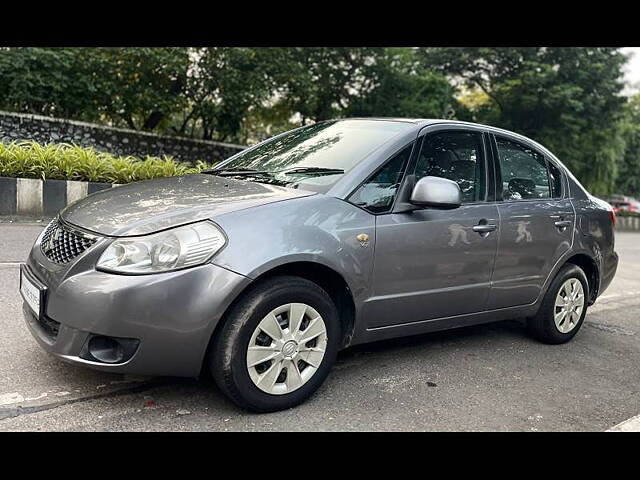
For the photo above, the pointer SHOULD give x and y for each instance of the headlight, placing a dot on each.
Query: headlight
(173, 249)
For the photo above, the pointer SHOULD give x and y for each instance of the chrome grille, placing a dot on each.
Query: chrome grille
(61, 244)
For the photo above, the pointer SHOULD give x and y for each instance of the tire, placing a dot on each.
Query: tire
(543, 325)
(230, 365)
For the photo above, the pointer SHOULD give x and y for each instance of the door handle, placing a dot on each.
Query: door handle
(484, 228)
(562, 223)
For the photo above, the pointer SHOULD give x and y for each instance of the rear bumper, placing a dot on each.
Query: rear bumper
(173, 315)
(609, 268)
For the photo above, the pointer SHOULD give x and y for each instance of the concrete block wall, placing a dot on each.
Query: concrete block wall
(35, 198)
(626, 224)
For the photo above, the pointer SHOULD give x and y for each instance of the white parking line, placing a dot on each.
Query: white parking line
(631, 425)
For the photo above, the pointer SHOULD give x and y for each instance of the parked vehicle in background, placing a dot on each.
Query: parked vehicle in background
(625, 204)
(331, 235)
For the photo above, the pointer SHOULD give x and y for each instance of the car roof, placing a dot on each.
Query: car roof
(423, 122)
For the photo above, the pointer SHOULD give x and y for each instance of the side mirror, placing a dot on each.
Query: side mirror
(436, 192)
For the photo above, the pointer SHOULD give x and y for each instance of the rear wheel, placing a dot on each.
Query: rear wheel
(277, 345)
(563, 308)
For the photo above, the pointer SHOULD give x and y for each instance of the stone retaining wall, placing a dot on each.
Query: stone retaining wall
(117, 141)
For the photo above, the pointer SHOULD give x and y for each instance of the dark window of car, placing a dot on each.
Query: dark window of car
(524, 171)
(457, 156)
(377, 193)
(556, 180)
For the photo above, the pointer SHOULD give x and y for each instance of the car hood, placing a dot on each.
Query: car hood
(149, 206)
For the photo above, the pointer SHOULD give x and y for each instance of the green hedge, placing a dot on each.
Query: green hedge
(70, 162)
(622, 213)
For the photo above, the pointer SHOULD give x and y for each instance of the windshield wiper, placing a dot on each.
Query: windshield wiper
(320, 170)
(247, 172)
(234, 172)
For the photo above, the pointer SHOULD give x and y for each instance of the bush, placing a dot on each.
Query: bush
(70, 162)
(623, 213)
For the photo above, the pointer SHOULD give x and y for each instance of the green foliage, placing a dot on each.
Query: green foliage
(45, 81)
(319, 83)
(628, 181)
(224, 86)
(568, 99)
(138, 88)
(71, 162)
(403, 87)
(623, 213)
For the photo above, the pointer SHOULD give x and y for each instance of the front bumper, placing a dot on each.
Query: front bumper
(173, 314)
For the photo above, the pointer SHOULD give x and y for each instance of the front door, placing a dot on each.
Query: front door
(537, 221)
(434, 263)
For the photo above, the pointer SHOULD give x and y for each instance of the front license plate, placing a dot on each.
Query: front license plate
(31, 293)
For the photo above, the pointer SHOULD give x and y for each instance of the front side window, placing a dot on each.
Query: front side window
(377, 193)
(524, 171)
(456, 156)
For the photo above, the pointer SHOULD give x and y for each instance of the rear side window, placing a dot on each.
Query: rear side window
(524, 171)
(555, 178)
(377, 193)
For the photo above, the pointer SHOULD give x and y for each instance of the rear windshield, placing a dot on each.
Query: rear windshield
(339, 145)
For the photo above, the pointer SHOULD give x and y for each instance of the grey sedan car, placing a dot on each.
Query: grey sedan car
(331, 235)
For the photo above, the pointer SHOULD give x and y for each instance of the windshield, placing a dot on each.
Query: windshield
(327, 149)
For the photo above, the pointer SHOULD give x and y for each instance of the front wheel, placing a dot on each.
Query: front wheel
(563, 308)
(277, 345)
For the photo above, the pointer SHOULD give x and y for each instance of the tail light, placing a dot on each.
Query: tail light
(612, 214)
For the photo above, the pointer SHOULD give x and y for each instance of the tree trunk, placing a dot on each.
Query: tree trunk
(154, 119)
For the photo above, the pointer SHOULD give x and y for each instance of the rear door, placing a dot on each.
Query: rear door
(537, 221)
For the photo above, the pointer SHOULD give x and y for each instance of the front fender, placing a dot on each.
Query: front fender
(319, 229)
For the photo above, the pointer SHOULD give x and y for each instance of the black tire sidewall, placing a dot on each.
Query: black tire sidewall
(242, 324)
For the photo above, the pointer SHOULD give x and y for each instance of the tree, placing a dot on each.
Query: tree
(225, 84)
(134, 87)
(629, 179)
(45, 81)
(320, 83)
(403, 87)
(137, 87)
(566, 98)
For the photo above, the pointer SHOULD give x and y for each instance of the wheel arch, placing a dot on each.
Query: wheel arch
(590, 268)
(325, 277)
(330, 281)
(587, 263)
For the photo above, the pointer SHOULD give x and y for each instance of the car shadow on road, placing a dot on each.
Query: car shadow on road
(396, 348)
(203, 391)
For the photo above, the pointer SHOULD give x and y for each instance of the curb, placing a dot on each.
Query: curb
(34, 197)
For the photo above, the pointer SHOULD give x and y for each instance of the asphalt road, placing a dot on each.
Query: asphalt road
(489, 377)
